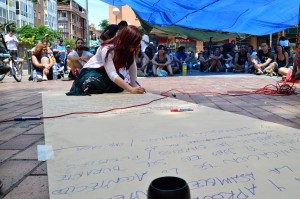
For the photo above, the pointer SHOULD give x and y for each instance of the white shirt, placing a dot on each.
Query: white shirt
(144, 42)
(11, 42)
(99, 60)
(84, 54)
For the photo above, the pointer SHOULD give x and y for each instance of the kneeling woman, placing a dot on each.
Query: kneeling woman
(42, 62)
(101, 73)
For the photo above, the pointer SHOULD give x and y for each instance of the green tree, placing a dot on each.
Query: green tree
(103, 24)
(71, 42)
(27, 35)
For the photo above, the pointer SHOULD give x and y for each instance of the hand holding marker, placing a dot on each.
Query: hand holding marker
(137, 83)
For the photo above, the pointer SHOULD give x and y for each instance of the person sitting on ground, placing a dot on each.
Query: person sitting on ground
(142, 61)
(174, 65)
(101, 73)
(204, 59)
(94, 43)
(45, 43)
(161, 61)
(78, 58)
(67, 61)
(227, 60)
(192, 60)
(240, 60)
(151, 45)
(59, 51)
(42, 62)
(291, 74)
(215, 61)
(181, 56)
(266, 57)
(149, 53)
(281, 57)
(112, 30)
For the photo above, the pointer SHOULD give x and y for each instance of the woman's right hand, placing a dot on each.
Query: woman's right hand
(137, 90)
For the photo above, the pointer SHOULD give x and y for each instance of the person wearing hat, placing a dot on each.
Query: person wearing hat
(59, 51)
(46, 39)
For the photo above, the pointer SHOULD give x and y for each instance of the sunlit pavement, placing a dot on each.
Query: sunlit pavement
(25, 177)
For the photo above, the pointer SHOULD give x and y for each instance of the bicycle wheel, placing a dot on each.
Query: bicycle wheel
(17, 72)
(2, 77)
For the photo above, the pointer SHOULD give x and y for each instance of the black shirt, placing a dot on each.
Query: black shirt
(242, 58)
(113, 29)
(264, 57)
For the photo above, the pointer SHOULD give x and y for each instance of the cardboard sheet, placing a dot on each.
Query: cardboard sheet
(115, 155)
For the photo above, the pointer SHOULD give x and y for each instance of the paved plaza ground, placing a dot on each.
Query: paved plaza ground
(25, 177)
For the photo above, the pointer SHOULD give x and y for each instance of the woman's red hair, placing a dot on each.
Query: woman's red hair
(129, 37)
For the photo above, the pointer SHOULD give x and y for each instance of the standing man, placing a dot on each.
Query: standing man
(112, 30)
(145, 41)
(78, 58)
(12, 41)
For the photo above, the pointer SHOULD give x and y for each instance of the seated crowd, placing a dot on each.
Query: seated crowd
(161, 61)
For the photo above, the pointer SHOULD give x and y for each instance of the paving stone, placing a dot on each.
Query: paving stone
(11, 132)
(36, 130)
(230, 108)
(5, 154)
(33, 187)
(21, 142)
(13, 171)
(29, 153)
(41, 170)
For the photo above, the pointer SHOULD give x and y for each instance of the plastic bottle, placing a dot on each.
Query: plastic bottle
(246, 67)
(184, 68)
(55, 73)
(34, 76)
(190, 67)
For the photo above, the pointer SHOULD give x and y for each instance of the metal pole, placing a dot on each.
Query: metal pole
(87, 23)
(271, 41)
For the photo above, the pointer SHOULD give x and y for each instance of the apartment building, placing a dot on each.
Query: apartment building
(16, 11)
(72, 19)
(29, 12)
(45, 13)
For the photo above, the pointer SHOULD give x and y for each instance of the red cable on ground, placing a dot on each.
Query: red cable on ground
(275, 90)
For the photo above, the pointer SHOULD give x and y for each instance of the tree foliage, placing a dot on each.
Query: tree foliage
(71, 42)
(27, 35)
(103, 24)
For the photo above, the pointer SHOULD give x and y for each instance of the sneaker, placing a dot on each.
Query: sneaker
(39, 78)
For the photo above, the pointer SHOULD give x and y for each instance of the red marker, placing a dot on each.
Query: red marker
(180, 109)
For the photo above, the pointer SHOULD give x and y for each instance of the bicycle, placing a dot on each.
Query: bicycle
(5, 55)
